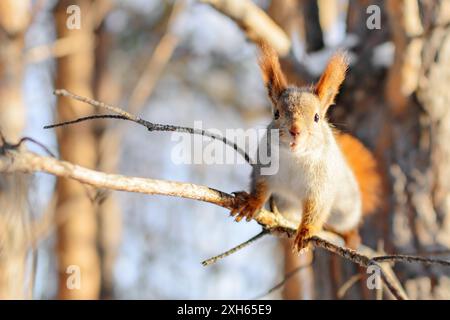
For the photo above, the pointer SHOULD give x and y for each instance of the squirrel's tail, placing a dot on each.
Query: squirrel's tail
(365, 168)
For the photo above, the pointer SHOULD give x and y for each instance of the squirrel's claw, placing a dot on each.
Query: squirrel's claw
(301, 241)
(246, 206)
(241, 201)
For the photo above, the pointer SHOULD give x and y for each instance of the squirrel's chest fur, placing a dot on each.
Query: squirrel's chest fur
(299, 176)
(322, 175)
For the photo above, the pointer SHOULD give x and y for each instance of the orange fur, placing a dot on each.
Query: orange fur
(364, 166)
(328, 86)
(249, 204)
(271, 71)
(309, 226)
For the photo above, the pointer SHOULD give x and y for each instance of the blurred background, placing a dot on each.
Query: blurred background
(176, 62)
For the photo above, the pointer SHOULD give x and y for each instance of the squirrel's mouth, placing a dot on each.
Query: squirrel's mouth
(297, 144)
(293, 145)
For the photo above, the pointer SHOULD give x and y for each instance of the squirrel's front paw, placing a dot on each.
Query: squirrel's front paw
(246, 206)
(301, 242)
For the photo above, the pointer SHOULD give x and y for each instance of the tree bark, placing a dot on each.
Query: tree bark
(77, 235)
(108, 146)
(421, 111)
(314, 35)
(402, 114)
(408, 128)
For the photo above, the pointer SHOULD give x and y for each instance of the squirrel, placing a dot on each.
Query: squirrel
(325, 178)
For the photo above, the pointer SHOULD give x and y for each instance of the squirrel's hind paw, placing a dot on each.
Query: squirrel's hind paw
(301, 241)
(246, 206)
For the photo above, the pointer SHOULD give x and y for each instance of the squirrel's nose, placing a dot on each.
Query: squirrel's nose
(294, 131)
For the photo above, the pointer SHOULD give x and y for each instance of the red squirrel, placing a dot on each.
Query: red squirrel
(325, 178)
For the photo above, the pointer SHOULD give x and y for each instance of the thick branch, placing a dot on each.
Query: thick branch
(28, 162)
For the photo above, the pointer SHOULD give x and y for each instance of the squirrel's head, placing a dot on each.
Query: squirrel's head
(300, 113)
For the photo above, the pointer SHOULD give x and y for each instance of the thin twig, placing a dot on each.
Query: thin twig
(7, 146)
(157, 62)
(61, 47)
(286, 278)
(99, 116)
(359, 259)
(348, 284)
(214, 259)
(442, 252)
(411, 259)
(97, 104)
(39, 144)
(124, 115)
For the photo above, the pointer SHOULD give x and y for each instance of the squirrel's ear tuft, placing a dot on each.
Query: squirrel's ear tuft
(271, 71)
(328, 86)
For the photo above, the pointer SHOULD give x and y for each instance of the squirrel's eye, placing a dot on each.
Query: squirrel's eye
(316, 117)
(276, 115)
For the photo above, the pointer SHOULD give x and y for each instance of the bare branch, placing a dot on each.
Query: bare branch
(286, 278)
(124, 115)
(214, 259)
(362, 261)
(15, 161)
(411, 259)
(7, 146)
(348, 284)
(60, 48)
(96, 104)
(157, 62)
(254, 22)
(82, 119)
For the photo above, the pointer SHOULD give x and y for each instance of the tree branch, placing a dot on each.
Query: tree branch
(254, 22)
(157, 62)
(28, 162)
(410, 259)
(214, 259)
(285, 279)
(124, 115)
